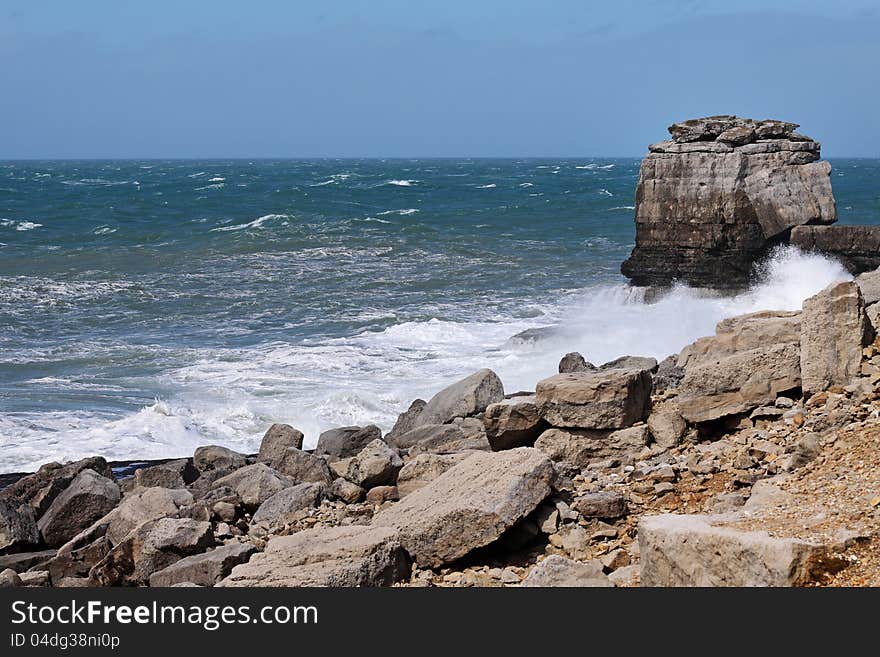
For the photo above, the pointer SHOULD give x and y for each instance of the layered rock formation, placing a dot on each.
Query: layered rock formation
(724, 190)
(856, 247)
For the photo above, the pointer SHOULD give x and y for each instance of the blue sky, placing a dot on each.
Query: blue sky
(389, 78)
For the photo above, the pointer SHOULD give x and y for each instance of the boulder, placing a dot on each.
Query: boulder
(151, 547)
(342, 489)
(9, 578)
(631, 363)
(204, 569)
(574, 362)
(856, 247)
(666, 424)
(470, 505)
(40, 489)
(607, 505)
(444, 438)
(833, 331)
(749, 362)
(691, 550)
(610, 399)
(72, 561)
(328, 556)
(708, 207)
(21, 561)
(346, 441)
(406, 421)
(556, 571)
(277, 439)
(425, 468)
(171, 474)
(514, 422)
(88, 498)
(18, 528)
(378, 495)
(869, 284)
(216, 459)
(377, 464)
(144, 505)
(467, 397)
(255, 483)
(668, 374)
(581, 447)
(290, 500)
(302, 467)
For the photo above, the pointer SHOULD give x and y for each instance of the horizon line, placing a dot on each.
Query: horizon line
(353, 157)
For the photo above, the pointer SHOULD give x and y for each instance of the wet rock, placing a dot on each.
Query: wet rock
(277, 439)
(204, 569)
(346, 441)
(290, 500)
(513, 423)
(88, 498)
(556, 570)
(610, 399)
(469, 505)
(328, 556)
(856, 247)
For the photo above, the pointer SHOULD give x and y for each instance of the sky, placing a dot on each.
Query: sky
(402, 78)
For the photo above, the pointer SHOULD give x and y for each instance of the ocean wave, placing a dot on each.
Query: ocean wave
(401, 183)
(623, 207)
(593, 167)
(526, 184)
(489, 186)
(605, 192)
(217, 179)
(103, 230)
(211, 186)
(256, 223)
(403, 213)
(20, 225)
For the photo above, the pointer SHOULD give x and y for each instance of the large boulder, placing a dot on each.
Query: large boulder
(833, 331)
(692, 550)
(559, 571)
(609, 399)
(277, 439)
(141, 506)
(581, 447)
(255, 483)
(713, 201)
(425, 468)
(40, 489)
(666, 424)
(171, 474)
(470, 505)
(290, 500)
(377, 464)
(749, 361)
(204, 569)
(514, 422)
(574, 362)
(328, 556)
(214, 459)
(467, 397)
(301, 466)
(406, 421)
(346, 441)
(18, 527)
(151, 547)
(869, 284)
(462, 435)
(88, 498)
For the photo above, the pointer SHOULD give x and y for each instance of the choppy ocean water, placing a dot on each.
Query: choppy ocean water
(150, 307)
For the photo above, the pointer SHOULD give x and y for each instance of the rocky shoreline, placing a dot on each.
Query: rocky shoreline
(747, 459)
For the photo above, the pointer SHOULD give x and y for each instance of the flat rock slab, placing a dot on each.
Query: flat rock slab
(695, 550)
(330, 556)
(606, 399)
(204, 569)
(559, 571)
(470, 505)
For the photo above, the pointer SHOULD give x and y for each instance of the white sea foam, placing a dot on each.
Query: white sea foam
(402, 183)
(21, 225)
(403, 213)
(217, 179)
(623, 207)
(211, 186)
(256, 223)
(527, 184)
(103, 230)
(489, 186)
(230, 396)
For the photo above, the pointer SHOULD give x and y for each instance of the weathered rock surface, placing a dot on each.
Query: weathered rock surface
(514, 422)
(688, 550)
(467, 397)
(277, 439)
(631, 363)
(151, 547)
(40, 489)
(574, 362)
(750, 361)
(204, 569)
(406, 421)
(332, 556)
(142, 506)
(607, 505)
(18, 528)
(255, 483)
(833, 331)
(219, 460)
(378, 495)
(468, 434)
(377, 464)
(470, 505)
(609, 399)
(344, 490)
(666, 424)
(856, 247)
(712, 202)
(557, 570)
(289, 500)
(869, 284)
(172, 474)
(346, 441)
(301, 466)
(581, 447)
(88, 498)
(425, 468)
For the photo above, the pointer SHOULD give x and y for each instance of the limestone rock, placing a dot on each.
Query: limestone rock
(18, 528)
(668, 374)
(869, 284)
(88, 498)
(328, 556)
(377, 464)
(557, 570)
(425, 468)
(204, 569)
(406, 421)
(216, 459)
(277, 439)
(378, 495)
(171, 474)
(445, 438)
(607, 505)
(302, 467)
(470, 505)
(610, 399)
(833, 331)
(346, 441)
(144, 505)
(40, 489)
(683, 550)
(514, 422)
(666, 424)
(344, 490)
(255, 483)
(581, 447)
(856, 247)
(289, 500)
(574, 362)
(631, 363)
(467, 397)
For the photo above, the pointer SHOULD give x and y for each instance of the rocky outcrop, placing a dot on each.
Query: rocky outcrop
(856, 247)
(255, 483)
(289, 500)
(834, 329)
(711, 202)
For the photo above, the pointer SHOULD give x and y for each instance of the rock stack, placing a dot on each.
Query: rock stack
(715, 198)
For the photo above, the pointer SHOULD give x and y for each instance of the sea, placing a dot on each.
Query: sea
(149, 307)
